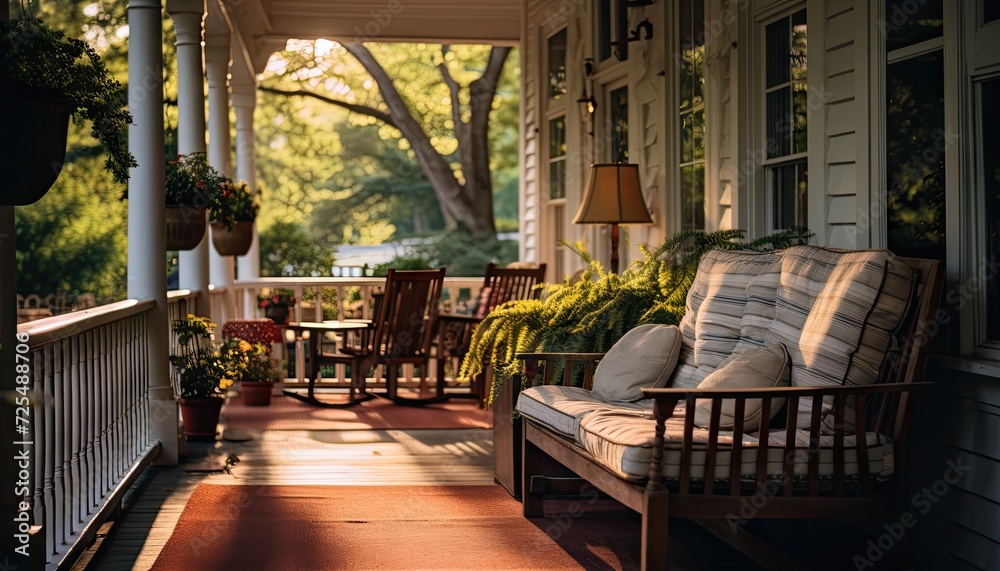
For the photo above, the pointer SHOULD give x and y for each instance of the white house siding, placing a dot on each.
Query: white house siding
(648, 66)
(529, 191)
(720, 112)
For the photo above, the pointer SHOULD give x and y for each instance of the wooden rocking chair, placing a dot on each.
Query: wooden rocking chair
(399, 334)
(454, 332)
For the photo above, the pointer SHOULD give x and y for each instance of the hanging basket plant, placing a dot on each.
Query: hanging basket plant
(191, 187)
(45, 78)
(233, 213)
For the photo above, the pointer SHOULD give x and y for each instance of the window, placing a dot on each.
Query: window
(557, 158)
(618, 119)
(915, 133)
(692, 114)
(611, 23)
(557, 64)
(785, 100)
(991, 11)
(989, 118)
(908, 23)
(602, 18)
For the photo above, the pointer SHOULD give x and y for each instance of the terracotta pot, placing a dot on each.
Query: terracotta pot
(185, 227)
(201, 417)
(34, 143)
(256, 393)
(235, 242)
(277, 313)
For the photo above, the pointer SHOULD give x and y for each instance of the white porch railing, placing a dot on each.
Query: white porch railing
(89, 422)
(341, 297)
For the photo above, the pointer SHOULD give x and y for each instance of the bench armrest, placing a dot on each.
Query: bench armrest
(558, 362)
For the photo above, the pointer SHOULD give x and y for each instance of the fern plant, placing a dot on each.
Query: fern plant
(590, 314)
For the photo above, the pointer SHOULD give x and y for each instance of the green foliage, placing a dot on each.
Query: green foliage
(401, 263)
(34, 55)
(466, 255)
(589, 315)
(288, 250)
(204, 368)
(190, 180)
(73, 241)
(234, 203)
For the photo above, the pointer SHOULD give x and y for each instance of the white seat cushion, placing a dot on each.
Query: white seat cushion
(624, 445)
(561, 408)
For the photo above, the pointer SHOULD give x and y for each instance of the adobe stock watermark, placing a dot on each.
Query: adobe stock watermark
(921, 504)
(898, 16)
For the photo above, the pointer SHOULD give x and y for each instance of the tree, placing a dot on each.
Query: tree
(289, 251)
(460, 177)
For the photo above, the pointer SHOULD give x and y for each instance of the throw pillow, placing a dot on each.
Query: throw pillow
(643, 357)
(760, 367)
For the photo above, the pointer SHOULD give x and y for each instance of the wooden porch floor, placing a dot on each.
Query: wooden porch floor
(357, 457)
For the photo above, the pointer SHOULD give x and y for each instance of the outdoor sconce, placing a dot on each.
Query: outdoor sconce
(623, 37)
(588, 103)
(613, 196)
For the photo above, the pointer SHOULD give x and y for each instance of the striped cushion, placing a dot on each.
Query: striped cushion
(762, 295)
(836, 313)
(714, 312)
(624, 445)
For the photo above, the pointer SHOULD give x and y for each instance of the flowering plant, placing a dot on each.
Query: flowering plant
(205, 368)
(278, 298)
(234, 203)
(190, 181)
(260, 366)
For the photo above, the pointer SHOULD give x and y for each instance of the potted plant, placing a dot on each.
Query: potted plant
(260, 374)
(234, 210)
(45, 77)
(191, 188)
(277, 305)
(204, 371)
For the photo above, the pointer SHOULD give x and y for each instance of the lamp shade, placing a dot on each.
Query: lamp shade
(613, 196)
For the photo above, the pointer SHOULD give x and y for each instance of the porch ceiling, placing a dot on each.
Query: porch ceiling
(432, 21)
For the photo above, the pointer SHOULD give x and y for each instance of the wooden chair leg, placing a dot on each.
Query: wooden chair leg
(654, 530)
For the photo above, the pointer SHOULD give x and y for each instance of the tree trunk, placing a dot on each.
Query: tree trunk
(468, 204)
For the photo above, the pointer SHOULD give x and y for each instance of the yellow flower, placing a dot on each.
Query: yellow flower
(225, 383)
(244, 346)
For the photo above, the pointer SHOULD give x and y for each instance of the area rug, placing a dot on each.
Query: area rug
(287, 413)
(371, 527)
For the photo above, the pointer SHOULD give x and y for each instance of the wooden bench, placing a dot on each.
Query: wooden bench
(715, 503)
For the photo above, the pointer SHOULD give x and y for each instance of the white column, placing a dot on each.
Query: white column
(147, 274)
(188, 16)
(217, 60)
(245, 100)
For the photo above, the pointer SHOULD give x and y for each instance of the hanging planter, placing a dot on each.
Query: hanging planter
(185, 227)
(232, 242)
(33, 157)
(44, 78)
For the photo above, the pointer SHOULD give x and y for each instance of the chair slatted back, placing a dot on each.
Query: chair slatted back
(508, 284)
(407, 308)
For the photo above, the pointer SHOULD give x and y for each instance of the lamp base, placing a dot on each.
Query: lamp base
(614, 248)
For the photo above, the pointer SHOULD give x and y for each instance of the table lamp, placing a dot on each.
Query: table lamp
(613, 197)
